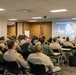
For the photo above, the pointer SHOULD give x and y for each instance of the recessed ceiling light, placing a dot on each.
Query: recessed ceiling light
(32, 20)
(59, 10)
(1, 9)
(12, 19)
(73, 18)
(36, 17)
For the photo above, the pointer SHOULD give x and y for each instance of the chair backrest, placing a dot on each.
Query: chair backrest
(56, 50)
(12, 66)
(67, 46)
(24, 47)
(37, 69)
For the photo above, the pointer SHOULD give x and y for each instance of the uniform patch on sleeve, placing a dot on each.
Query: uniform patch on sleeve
(20, 56)
(0, 52)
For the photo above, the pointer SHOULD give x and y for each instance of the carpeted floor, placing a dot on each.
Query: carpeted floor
(67, 70)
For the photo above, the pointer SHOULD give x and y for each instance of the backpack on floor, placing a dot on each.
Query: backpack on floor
(72, 61)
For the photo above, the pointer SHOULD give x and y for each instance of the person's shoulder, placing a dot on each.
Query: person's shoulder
(45, 45)
(51, 43)
(44, 55)
(32, 54)
(14, 51)
(6, 53)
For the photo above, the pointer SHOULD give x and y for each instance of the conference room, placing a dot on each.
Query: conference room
(39, 23)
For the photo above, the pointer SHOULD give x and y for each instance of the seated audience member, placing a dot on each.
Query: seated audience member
(27, 48)
(41, 58)
(30, 46)
(74, 41)
(43, 37)
(4, 47)
(59, 40)
(1, 57)
(23, 40)
(63, 40)
(47, 50)
(68, 43)
(13, 55)
(19, 38)
(55, 45)
(33, 39)
(9, 38)
(17, 45)
(37, 41)
(50, 40)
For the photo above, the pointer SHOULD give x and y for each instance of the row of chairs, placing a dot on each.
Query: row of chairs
(35, 69)
(10, 67)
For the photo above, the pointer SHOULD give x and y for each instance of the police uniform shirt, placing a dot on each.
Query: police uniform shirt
(22, 42)
(12, 55)
(68, 43)
(40, 58)
(55, 45)
(17, 46)
(2, 45)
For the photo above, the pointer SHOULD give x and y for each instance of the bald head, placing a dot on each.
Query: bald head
(38, 48)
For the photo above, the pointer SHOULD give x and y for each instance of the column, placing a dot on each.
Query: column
(19, 28)
(3, 27)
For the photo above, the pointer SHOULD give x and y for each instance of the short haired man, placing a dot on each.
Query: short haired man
(41, 58)
(13, 55)
(55, 45)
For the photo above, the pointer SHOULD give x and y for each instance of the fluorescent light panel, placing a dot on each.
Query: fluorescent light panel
(59, 10)
(32, 20)
(36, 17)
(12, 19)
(1, 9)
(73, 18)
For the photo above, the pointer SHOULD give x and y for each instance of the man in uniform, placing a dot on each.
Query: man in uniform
(68, 43)
(41, 58)
(13, 55)
(55, 44)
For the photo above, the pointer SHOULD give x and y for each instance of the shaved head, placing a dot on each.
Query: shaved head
(38, 48)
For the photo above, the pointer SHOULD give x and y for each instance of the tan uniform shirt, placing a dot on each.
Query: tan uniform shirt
(17, 46)
(12, 55)
(2, 45)
(22, 42)
(74, 41)
(55, 46)
(40, 58)
(68, 43)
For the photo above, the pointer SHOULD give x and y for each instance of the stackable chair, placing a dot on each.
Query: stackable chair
(38, 69)
(12, 68)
